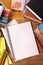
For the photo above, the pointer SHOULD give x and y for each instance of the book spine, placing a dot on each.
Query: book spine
(38, 43)
(0, 62)
(3, 58)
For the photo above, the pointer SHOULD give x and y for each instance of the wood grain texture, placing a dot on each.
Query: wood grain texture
(37, 60)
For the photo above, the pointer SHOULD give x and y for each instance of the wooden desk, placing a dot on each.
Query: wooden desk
(36, 60)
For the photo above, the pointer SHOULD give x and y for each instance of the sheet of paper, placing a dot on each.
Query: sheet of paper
(12, 22)
(22, 41)
(10, 62)
(5, 32)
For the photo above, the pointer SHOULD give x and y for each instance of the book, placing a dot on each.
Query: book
(39, 31)
(40, 27)
(1, 8)
(32, 7)
(27, 1)
(8, 35)
(22, 41)
(40, 47)
(10, 61)
(5, 33)
(18, 4)
(2, 47)
(3, 53)
(3, 58)
(6, 62)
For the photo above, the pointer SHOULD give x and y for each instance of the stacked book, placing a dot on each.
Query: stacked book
(39, 32)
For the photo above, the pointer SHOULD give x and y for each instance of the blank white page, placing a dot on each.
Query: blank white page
(5, 32)
(23, 41)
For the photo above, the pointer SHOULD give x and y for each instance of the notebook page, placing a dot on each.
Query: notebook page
(23, 41)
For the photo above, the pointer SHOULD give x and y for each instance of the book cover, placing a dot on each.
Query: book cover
(22, 39)
(2, 49)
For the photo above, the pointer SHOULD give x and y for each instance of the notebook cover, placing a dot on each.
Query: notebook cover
(22, 34)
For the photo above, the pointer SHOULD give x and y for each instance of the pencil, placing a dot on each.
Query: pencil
(32, 19)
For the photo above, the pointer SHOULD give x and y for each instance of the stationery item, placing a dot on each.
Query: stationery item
(22, 39)
(0, 34)
(1, 9)
(18, 4)
(39, 35)
(6, 61)
(10, 62)
(2, 47)
(2, 25)
(2, 50)
(32, 19)
(3, 58)
(39, 31)
(36, 10)
(5, 33)
(12, 22)
(27, 1)
(38, 43)
(5, 16)
(40, 27)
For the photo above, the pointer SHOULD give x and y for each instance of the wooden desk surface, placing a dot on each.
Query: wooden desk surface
(36, 60)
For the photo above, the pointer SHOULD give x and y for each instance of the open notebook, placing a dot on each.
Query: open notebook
(22, 41)
(5, 32)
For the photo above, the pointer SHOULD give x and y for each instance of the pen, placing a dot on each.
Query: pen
(32, 19)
